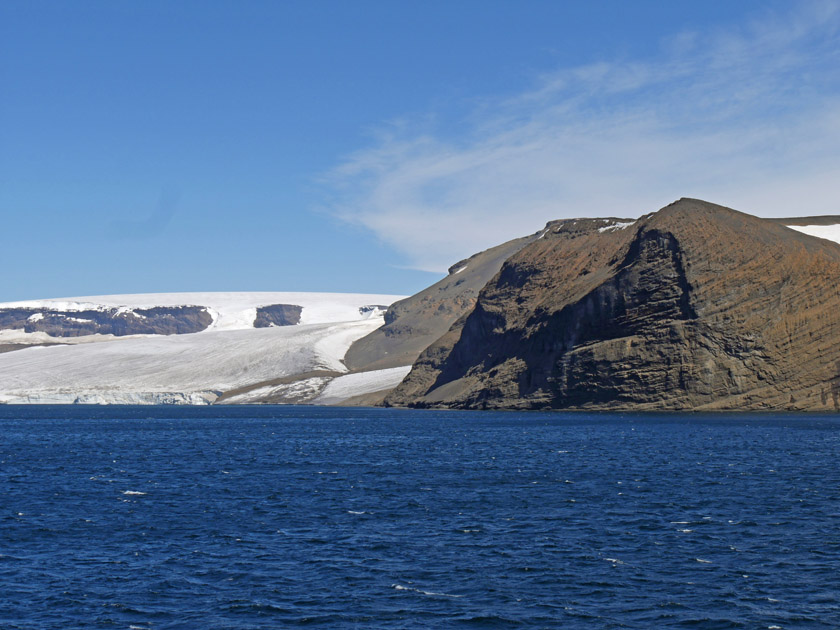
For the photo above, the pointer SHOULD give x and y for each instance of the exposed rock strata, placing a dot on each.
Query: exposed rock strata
(277, 315)
(160, 320)
(694, 307)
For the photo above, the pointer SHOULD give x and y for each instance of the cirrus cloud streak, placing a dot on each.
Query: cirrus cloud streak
(747, 118)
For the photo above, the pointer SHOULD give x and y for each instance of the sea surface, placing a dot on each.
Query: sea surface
(279, 517)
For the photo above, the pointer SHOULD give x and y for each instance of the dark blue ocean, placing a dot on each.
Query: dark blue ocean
(277, 517)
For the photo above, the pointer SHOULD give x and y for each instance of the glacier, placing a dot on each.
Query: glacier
(194, 368)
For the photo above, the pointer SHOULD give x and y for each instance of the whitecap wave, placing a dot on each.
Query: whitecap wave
(400, 587)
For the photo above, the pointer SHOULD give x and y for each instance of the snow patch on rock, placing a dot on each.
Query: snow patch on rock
(616, 226)
(828, 232)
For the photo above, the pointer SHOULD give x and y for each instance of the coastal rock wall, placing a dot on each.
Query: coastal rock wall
(694, 307)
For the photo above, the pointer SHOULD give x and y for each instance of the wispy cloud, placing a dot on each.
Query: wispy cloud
(749, 118)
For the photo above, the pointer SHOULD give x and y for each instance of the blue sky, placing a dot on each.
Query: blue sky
(365, 146)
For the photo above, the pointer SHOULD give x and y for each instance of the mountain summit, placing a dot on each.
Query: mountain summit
(696, 306)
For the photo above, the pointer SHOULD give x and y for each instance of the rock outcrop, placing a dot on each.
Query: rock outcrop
(696, 306)
(158, 320)
(277, 315)
(415, 322)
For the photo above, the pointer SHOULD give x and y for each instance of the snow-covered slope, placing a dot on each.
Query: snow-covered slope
(184, 368)
(350, 385)
(325, 390)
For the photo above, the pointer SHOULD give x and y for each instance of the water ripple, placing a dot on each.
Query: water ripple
(174, 518)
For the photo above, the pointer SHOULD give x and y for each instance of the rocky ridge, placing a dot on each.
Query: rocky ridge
(696, 306)
(417, 321)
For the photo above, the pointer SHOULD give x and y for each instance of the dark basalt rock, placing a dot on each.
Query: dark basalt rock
(159, 320)
(694, 307)
(277, 315)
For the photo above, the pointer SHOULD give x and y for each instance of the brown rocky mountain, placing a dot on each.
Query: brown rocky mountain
(415, 322)
(696, 306)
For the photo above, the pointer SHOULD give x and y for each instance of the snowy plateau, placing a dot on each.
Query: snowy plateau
(231, 354)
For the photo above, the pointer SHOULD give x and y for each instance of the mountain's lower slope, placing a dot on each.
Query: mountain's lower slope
(245, 341)
(694, 307)
(412, 324)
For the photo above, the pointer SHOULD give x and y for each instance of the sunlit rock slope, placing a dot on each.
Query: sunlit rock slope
(696, 306)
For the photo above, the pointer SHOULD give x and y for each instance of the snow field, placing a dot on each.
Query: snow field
(230, 311)
(828, 232)
(344, 387)
(191, 368)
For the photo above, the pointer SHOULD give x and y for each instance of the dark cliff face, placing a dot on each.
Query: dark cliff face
(277, 315)
(159, 320)
(694, 307)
